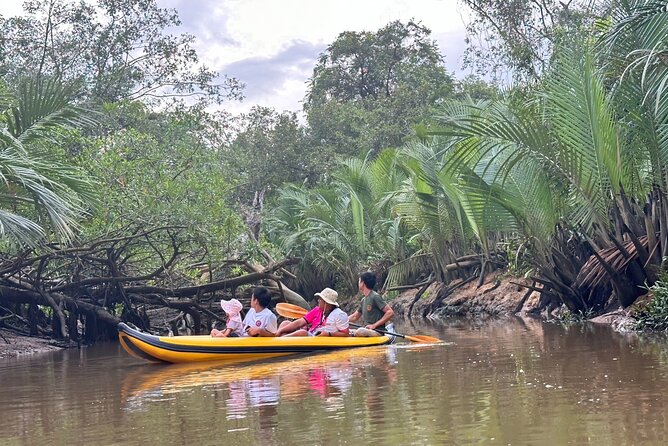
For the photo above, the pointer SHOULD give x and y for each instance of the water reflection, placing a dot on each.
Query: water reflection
(253, 393)
(261, 384)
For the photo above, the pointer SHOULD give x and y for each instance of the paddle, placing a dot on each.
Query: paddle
(291, 311)
(413, 338)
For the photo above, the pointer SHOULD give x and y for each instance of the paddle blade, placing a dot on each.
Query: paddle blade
(290, 311)
(422, 338)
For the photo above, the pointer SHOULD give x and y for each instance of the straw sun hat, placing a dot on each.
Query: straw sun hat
(329, 296)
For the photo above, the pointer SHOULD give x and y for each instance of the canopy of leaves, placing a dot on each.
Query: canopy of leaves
(342, 228)
(112, 49)
(368, 89)
(269, 149)
(520, 35)
(161, 169)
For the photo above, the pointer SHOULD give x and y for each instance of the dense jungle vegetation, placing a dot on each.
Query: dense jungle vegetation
(127, 187)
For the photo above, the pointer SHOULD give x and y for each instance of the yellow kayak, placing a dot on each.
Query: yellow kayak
(179, 349)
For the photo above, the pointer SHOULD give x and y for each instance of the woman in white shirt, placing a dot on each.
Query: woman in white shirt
(327, 319)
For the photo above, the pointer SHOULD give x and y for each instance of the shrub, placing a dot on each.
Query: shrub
(655, 314)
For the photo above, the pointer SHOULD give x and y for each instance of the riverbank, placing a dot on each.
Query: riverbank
(13, 345)
(499, 295)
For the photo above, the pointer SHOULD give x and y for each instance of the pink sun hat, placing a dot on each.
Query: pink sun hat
(232, 307)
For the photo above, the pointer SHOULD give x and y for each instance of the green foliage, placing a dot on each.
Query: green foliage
(654, 316)
(40, 195)
(112, 49)
(361, 65)
(407, 270)
(338, 129)
(429, 204)
(270, 149)
(368, 89)
(341, 228)
(476, 89)
(635, 46)
(575, 317)
(528, 163)
(518, 252)
(521, 35)
(160, 170)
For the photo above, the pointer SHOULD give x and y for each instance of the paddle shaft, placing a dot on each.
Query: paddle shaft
(380, 331)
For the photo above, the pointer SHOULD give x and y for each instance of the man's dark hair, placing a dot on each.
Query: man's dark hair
(369, 279)
(262, 295)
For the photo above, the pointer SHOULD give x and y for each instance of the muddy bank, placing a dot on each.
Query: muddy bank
(498, 296)
(14, 345)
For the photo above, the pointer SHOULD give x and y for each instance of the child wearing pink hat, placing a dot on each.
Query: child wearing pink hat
(234, 327)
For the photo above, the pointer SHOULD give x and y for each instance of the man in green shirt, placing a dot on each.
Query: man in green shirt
(373, 310)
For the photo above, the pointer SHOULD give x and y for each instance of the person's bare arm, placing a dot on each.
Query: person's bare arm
(292, 326)
(261, 332)
(355, 316)
(388, 314)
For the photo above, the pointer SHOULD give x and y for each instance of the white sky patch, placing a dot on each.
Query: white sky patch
(288, 97)
(9, 8)
(262, 26)
(272, 45)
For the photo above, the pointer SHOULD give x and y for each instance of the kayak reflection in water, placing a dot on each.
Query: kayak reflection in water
(331, 381)
(254, 392)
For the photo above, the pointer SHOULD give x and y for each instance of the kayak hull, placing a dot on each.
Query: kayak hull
(183, 349)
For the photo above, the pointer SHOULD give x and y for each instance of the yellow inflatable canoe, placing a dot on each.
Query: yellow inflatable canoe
(179, 349)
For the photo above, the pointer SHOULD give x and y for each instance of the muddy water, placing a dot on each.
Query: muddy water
(503, 382)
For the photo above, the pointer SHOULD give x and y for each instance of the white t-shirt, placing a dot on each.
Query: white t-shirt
(337, 320)
(265, 319)
(237, 326)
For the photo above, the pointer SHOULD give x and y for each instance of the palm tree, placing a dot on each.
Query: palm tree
(470, 187)
(38, 194)
(577, 140)
(343, 227)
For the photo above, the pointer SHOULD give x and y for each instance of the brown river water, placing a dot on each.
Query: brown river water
(505, 382)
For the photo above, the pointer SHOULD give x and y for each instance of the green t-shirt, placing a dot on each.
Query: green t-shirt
(371, 308)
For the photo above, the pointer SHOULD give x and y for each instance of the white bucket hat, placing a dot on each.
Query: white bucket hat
(329, 296)
(232, 307)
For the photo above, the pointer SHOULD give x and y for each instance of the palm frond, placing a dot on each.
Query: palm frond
(402, 272)
(19, 230)
(58, 195)
(43, 110)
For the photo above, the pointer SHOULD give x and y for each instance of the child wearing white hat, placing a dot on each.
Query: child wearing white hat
(234, 327)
